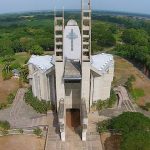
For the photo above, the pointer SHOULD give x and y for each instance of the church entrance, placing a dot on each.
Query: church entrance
(73, 118)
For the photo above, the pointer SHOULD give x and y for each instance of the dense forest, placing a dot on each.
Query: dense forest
(128, 37)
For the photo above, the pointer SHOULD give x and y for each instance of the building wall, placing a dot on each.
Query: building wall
(85, 84)
(72, 95)
(101, 86)
(76, 52)
(60, 89)
(40, 83)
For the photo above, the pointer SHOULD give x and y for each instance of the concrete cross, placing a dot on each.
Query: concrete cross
(72, 36)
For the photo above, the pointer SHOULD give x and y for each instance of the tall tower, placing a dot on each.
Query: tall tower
(86, 50)
(59, 62)
(86, 30)
(58, 33)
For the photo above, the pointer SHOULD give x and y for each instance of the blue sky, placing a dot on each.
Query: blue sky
(140, 6)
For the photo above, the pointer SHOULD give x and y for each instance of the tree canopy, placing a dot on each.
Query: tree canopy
(134, 128)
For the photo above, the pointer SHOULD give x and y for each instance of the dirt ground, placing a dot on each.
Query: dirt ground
(123, 69)
(6, 87)
(21, 142)
(111, 142)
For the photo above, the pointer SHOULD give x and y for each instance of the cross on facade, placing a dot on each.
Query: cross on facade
(72, 36)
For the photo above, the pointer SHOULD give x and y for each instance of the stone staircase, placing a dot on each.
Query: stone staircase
(72, 135)
(53, 137)
(73, 140)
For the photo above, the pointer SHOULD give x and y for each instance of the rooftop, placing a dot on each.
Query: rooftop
(42, 62)
(102, 62)
(72, 70)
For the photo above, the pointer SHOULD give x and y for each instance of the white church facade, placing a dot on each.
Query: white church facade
(72, 78)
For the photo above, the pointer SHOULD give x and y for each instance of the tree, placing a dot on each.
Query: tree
(106, 39)
(24, 74)
(37, 50)
(134, 128)
(26, 43)
(135, 36)
(129, 122)
(15, 66)
(136, 141)
(6, 48)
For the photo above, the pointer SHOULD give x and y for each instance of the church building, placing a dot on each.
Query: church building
(72, 79)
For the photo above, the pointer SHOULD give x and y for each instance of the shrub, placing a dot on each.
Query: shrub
(137, 93)
(103, 126)
(37, 131)
(15, 66)
(112, 100)
(6, 75)
(4, 125)
(129, 83)
(4, 132)
(40, 106)
(146, 107)
(107, 103)
(24, 74)
(21, 131)
(3, 105)
(10, 98)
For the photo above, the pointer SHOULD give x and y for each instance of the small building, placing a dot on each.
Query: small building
(16, 73)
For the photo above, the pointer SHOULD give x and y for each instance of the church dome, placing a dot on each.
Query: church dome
(72, 23)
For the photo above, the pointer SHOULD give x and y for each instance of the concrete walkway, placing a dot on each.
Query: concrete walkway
(21, 115)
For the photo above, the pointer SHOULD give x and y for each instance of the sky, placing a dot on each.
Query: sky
(138, 6)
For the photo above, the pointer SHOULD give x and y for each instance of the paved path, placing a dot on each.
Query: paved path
(21, 115)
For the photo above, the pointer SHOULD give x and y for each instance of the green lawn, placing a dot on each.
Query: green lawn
(137, 93)
(21, 58)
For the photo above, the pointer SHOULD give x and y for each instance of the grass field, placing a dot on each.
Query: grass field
(21, 142)
(124, 69)
(21, 58)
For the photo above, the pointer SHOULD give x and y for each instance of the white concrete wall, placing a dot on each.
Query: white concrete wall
(40, 83)
(60, 89)
(85, 84)
(101, 86)
(68, 53)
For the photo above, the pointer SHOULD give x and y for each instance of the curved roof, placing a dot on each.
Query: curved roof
(72, 23)
(42, 62)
